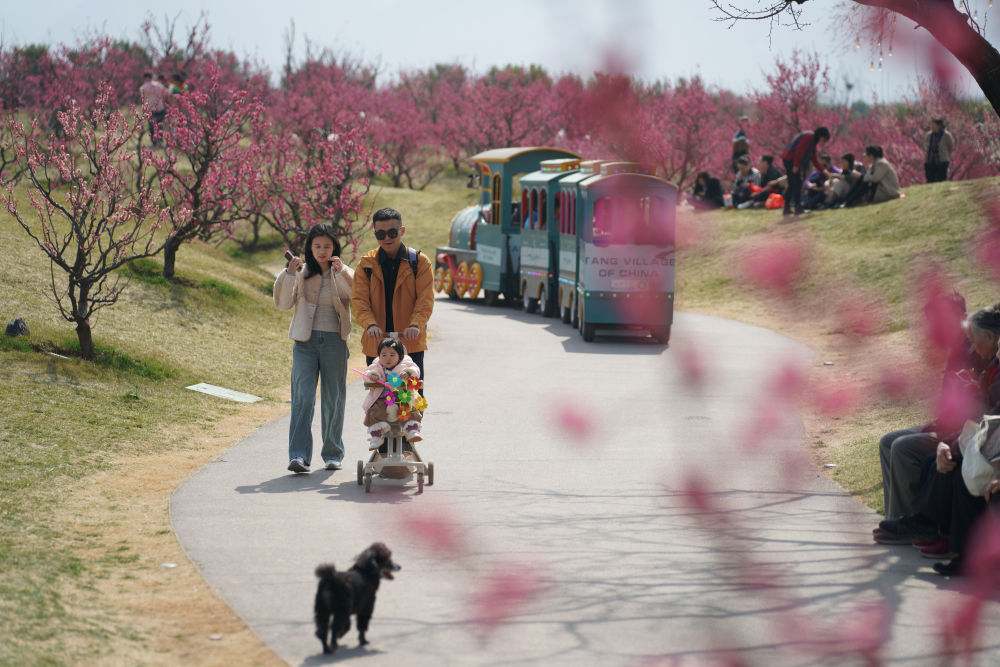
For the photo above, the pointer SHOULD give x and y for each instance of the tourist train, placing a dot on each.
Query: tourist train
(591, 241)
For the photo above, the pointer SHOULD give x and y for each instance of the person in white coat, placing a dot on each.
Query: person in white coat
(319, 289)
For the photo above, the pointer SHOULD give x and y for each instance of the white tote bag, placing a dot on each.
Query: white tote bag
(977, 471)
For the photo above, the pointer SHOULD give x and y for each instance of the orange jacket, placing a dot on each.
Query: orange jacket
(412, 300)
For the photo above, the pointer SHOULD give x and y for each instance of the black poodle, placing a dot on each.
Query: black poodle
(341, 594)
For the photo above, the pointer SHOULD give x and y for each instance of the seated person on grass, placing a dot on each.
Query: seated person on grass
(815, 187)
(707, 192)
(747, 178)
(881, 176)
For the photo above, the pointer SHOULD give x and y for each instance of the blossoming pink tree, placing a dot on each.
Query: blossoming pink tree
(205, 173)
(298, 184)
(405, 136)
(92, 206)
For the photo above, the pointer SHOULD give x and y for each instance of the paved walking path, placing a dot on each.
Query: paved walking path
(628, 570)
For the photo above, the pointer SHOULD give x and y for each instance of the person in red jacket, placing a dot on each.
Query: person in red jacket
(797, 157)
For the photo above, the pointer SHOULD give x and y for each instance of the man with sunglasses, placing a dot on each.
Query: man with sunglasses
(393, 290)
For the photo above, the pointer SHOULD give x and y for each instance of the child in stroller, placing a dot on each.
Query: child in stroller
(392, 358)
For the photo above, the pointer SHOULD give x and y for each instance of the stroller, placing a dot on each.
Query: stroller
(400, 459)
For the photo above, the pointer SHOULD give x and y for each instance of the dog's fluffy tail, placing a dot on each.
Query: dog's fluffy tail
(326, 572)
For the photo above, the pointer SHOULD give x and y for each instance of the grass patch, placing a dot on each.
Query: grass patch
(225, 289)
(146, 270)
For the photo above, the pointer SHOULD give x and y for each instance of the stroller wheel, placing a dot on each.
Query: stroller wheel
(361, 471)
(420, 482)
(368, 483)
(430, 473)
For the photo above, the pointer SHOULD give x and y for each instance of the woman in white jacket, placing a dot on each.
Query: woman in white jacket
(320, 291)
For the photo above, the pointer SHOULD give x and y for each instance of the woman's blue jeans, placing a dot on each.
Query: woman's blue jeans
(324, 356)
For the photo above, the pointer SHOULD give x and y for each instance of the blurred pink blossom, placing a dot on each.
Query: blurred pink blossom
(436, 529)
(776, 266)
(503, 594)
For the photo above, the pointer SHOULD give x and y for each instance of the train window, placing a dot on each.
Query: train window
(525, 206)
(543, 212)
(495, 203)
(659, 221)
(572, 216)
(531, 221)
(604, 214)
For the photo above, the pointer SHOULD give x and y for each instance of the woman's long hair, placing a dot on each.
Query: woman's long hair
(321, 229)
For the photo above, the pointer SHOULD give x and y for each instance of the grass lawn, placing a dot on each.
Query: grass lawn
(90, 451)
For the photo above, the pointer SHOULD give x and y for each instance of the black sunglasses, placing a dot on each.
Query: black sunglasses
(380, 234)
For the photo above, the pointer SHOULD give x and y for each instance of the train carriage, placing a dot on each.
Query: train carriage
(496, 234)
(626, 253)
(542, 204)
(596, 241)
(568, 238)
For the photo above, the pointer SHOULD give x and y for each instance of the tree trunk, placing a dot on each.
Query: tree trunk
(86, 339)
(170, 256)
(951, 29)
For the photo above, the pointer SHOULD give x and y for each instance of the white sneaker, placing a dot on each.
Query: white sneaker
(745, 205)
(375, 442)
(298, 465)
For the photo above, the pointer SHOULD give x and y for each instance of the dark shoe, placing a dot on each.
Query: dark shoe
(950, 569)
(905, 530)
(787, 211)
(885, 537)
(800, 211)
(334, 465)
(298, 465)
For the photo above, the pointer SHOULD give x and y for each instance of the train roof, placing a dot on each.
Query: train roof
(539, 177)
(508, 154)
(608, 178)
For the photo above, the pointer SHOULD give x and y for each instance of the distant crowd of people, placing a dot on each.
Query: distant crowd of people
(830, 184)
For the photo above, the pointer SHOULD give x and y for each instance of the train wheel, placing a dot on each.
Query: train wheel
(586, 328)
(492, 298)
(575, 307)
(448, 284)
(439, 278)
(475, 281)
(567, 315)
(530, 305)
(547, 305)
(461, 279)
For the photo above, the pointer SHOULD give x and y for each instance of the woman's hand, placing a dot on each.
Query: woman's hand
(336, 264)
(944, 461)
(294, 264)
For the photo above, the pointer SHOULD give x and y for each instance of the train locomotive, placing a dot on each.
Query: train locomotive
(591, 241)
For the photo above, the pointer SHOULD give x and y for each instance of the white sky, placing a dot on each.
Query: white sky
(661, 38)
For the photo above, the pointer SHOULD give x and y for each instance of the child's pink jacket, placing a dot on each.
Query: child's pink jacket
(376, 371)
